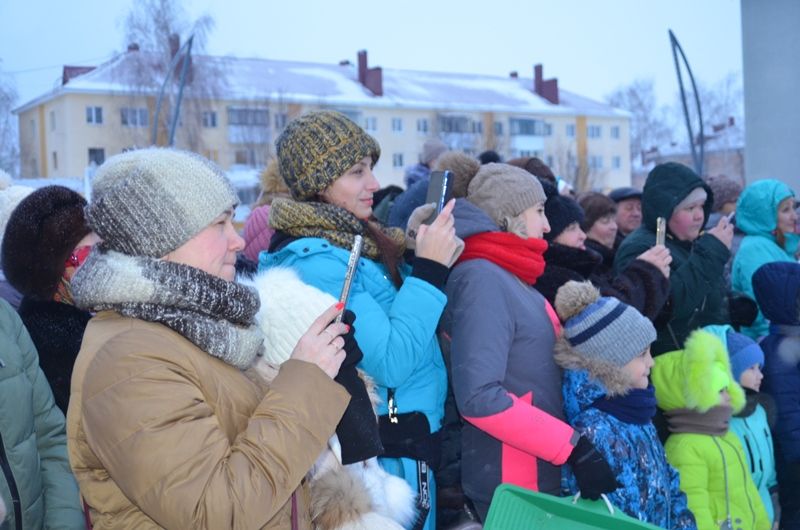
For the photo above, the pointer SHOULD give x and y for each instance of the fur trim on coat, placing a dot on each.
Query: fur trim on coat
(358, 496)
(612, 377)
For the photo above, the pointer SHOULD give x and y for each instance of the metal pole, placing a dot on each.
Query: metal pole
(697, 158)
(185, 49)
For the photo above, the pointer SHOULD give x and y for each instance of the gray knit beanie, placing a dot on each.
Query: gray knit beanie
(148, 202)
(602, 328)
(503, 192)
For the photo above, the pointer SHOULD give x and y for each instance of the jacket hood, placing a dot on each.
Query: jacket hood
(470, 220)
(757, 207)
(666, 186)
(691, 378)
(777, 287)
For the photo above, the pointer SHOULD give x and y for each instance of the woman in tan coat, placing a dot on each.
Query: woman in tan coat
(168, 425)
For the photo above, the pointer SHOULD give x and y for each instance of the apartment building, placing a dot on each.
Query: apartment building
(97, 112)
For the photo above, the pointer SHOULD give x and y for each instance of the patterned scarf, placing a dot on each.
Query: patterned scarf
(215, 315)
(330, 222)
(521, 257)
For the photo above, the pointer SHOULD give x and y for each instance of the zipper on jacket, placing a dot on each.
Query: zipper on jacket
(744, 475)
(12, 485)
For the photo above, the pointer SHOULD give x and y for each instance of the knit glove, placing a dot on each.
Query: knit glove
(591, 470)
(419, 216)
(358, 429)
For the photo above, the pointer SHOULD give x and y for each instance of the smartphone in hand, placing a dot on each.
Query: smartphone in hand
(440, 191)
(352, 263)
(661, 231)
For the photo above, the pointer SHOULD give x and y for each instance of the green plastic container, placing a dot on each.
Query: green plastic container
(515, 508)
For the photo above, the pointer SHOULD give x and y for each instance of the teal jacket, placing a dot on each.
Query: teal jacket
(697, 294)
(395, 328)
(34, 466)
(757, 217)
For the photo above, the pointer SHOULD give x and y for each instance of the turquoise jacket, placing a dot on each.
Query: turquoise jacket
(396, 329)
(34, 468)
(757, 217)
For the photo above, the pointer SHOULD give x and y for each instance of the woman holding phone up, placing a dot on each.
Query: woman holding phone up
(327, 160)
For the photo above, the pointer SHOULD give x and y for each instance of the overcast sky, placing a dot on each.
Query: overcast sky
(591, 46)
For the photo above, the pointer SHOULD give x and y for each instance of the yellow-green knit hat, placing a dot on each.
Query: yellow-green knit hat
(317, 148)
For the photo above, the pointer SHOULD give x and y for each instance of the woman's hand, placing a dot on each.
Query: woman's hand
(322, 344)
(658, 256)
(438, 242)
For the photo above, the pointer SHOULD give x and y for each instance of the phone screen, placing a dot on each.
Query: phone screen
(439, 192)
(352, 263)
(661, 231)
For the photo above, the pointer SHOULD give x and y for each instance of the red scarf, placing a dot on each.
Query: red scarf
(523, 258)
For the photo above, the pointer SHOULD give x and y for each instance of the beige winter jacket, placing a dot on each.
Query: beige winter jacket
(163, 435)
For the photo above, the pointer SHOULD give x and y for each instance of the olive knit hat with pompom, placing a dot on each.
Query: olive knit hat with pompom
(602, 328)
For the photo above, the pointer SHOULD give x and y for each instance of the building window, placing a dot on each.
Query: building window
(55, 160)
(209, 118)
(498, 128)
(281, 118)
(454, 124)
(548, 129)
(571, 130)
(211, 154)
(397, 124)
(595, 162)
(248, 116)
(94, 115)
(593, 131)
(550, 161)
(422, 125)
(477, 127)
(616, 162)
(52, 120)
(133, 117)
(371, 123)
(397, 160)
(97, 156)
(527, 127)
(245, 157)
(615, 132)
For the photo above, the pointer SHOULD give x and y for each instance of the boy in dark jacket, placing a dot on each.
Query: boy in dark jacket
(697, 285)
(777, 289)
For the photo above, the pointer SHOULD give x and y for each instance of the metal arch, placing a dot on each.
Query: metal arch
(184, 51)
(694, 142)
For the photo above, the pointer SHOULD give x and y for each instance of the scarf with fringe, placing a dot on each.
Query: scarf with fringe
(215, 315)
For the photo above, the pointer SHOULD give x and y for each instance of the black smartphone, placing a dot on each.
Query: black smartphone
(440, 191)
(352, 263)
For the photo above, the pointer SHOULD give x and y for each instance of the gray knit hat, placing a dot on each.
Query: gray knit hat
(503, 192)
(602, 328)
(148, 202)
(318, 148)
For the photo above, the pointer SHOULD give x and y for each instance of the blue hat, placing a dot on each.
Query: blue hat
(744, 352)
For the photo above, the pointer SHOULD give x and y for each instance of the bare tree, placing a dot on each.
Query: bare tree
(650, 125)
(157, 28)
(723, 111)
(9, 139)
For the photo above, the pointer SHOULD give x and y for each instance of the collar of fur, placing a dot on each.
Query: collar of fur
(582, 261)
(610, 379)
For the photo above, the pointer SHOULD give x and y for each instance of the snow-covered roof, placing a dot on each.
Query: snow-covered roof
(338, 85)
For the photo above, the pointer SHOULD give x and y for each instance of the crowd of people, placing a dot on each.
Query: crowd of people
(160, 370)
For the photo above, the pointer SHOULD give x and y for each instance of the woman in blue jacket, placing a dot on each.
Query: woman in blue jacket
(765, 213)
(327, 161)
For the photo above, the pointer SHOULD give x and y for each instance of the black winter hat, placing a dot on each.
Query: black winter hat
(40, 235)
(560, 211)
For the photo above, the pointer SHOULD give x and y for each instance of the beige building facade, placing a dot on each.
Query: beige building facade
(93, 116)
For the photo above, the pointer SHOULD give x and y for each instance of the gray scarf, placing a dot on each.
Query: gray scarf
(714, 421)
(215, 315)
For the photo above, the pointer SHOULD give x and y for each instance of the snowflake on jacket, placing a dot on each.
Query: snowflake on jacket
(650, 487)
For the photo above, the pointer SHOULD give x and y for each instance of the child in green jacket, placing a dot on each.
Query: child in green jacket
(698, 394)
